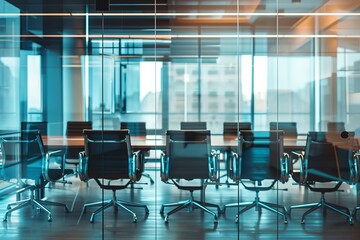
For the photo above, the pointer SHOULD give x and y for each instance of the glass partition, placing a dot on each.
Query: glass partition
(148, 66)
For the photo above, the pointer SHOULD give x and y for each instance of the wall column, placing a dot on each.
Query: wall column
(73, 50)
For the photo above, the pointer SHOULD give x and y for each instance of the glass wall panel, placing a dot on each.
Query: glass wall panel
(151, 66)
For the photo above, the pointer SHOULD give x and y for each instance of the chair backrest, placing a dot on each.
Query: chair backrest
(321, 158)
(289, 128)
(188, 153)
(75, 128)
(135, 128)
(345, 153)
(41, 126)
(23, 156)
(193, 126)
(108, 153)
(232, 128)
(335, 126)
(260, 155)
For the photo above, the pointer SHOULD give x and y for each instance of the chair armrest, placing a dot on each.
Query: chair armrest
(354, 169)
(83, 166)
(164, 167)
(234, 167)
(284, 168)
(214, 165)
(297, 154)
(46, 164)
(136, 164)
(56, 152)
(303, 166)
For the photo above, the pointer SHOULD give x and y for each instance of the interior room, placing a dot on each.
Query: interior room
(179, 119)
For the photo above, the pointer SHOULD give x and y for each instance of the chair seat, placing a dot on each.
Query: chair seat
(56, 174)
(72, 160)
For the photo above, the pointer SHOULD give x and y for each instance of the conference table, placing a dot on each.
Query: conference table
(158, 142)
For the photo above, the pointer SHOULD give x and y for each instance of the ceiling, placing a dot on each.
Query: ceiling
(214, 21)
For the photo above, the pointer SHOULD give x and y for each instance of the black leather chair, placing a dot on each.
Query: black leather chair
(108, 155)
(24, 158)
(41, 126)
(289, 128)
(260, 158)
(75, 128)
(232, 129)
(319, 163)
(193, 125)
(138, 129)
(189, 157)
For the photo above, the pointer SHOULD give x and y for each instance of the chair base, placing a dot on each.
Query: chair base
(34, 203)
(114, 203)
(324, 205)
(149, 177)
(257, 204)
(190, 203)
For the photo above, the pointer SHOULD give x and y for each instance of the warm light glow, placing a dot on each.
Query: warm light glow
(172, 36)
(107, 14)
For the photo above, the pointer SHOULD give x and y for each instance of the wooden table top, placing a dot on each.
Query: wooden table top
(159, 142)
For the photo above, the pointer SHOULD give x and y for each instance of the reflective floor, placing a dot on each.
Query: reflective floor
(32, 224)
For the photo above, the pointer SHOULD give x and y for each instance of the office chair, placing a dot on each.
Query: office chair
(43, 128)
(289, 128)
(347, 150)
(320, 164)
(336, 126)
(75, 128)
(260, 158)
(24, 158)
(188, 156)
(193, 125)
(108, 155)
(138, 129)
(232, 129)
(135, 128)
(290, 131)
